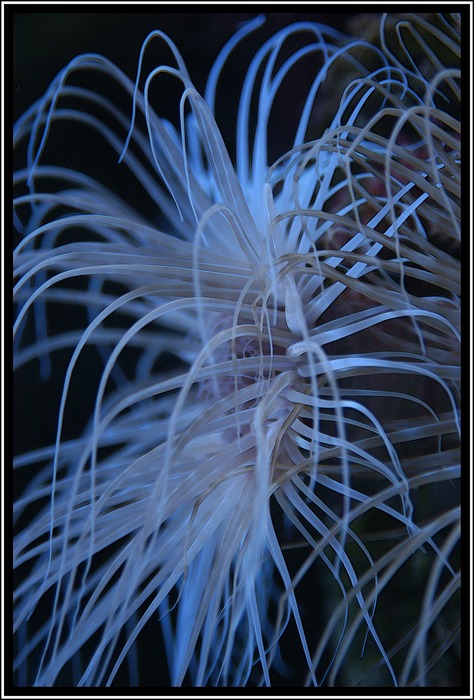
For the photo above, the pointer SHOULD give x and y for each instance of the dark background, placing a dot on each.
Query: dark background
(43, 42)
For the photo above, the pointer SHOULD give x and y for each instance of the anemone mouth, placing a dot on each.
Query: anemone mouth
(275, 350)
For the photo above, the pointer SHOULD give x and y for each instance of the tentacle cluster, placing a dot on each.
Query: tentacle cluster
(277, 409)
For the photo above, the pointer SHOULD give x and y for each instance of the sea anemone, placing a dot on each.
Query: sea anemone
(266, 490)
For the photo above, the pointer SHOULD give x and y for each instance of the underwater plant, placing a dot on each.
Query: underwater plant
(270, 468)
